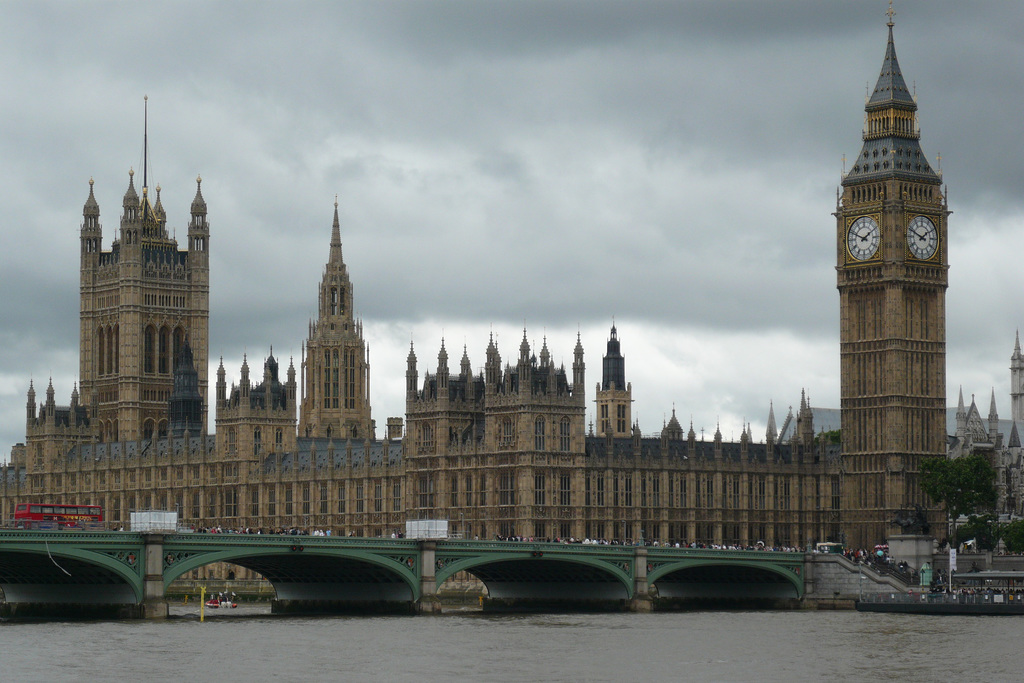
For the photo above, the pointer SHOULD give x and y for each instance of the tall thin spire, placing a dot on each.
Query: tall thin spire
(336, 235)
(891, 87)
(145, 141)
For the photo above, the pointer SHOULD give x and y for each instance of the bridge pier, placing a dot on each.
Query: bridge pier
(154, 604)
(428, 602)
(641, 601)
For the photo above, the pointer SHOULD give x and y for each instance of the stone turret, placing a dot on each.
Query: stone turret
(614, 396)
(336, 368)
(1017, 381)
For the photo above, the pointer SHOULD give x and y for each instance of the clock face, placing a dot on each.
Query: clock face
(863, 238)
(922, 237)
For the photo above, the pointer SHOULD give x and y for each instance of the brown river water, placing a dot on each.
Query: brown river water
(247, 644)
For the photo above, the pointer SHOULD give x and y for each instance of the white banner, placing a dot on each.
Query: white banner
(952, 559)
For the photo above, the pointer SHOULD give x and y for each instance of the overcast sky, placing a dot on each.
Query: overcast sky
(669, 165)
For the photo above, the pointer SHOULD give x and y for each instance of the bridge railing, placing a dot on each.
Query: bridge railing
(40, 525)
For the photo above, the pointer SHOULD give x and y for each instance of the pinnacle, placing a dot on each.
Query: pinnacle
(199, 204)
(336, 256)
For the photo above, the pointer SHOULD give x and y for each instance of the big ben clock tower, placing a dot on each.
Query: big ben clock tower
(892, 278)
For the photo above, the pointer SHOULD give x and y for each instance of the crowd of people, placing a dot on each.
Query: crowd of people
(299, 531)
(881, 561)
(279, 531)
(646, 542)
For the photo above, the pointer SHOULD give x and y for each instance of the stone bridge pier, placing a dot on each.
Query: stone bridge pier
(641, 601)
(428, 602)
(154, 604)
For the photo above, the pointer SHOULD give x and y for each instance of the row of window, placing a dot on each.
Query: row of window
(160, 348)
(427, 439)
(338, 378)
(309, 498)
(257, 440)
(621, 421)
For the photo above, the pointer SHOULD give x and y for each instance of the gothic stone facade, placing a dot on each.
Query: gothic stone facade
(500, 453)
(140, 302)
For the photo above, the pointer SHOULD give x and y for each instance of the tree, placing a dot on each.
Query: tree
(831, 437)
(964, 485)
(984, 529)
(1013, 536)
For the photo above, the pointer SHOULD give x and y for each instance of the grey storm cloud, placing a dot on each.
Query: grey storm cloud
(553, 165)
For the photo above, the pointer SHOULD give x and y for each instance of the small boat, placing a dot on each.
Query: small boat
(219, 601)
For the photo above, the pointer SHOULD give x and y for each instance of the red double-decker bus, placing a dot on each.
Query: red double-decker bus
(53, 515)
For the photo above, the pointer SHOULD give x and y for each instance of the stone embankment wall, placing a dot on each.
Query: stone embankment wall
(832, 579)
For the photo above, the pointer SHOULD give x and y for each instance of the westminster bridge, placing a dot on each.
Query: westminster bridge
(127, 574)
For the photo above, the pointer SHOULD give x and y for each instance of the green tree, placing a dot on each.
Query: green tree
(1013, 536)
(984, 529)
(831, 437)
(965, 486)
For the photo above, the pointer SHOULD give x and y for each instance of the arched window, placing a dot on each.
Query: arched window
(115, 351)
(100, 348)
(564, 435)
(506, 437)
(111, 348)
(350, 379)
(164, 365)
(257, 439)
(327, 378)
(334, 301)
(335, 379)
(538, 434)
(427, 438)
(149, 349)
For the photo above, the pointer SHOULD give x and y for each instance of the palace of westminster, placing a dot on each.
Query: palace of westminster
(505, 451)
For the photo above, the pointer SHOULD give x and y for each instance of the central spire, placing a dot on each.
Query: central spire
(145, 142)
(336, 236)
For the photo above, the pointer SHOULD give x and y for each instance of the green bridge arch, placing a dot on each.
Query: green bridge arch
(101, 557)
(787, 572)
(282, 559)
(539, 564)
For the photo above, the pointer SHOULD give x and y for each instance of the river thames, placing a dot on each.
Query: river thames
(248, 645)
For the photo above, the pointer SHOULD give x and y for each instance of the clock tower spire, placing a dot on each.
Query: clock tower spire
(892, 277)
